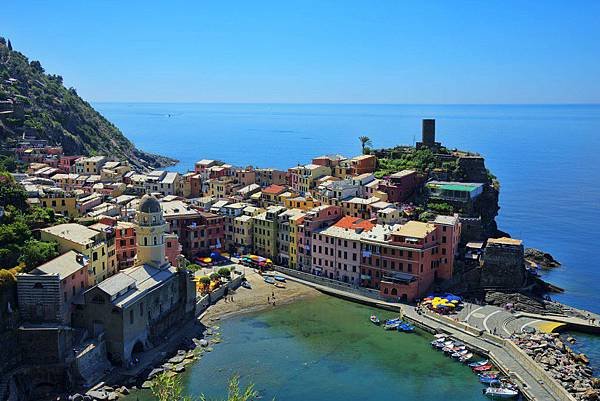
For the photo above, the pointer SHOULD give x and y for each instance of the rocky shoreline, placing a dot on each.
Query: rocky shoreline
(569, 368)
(543, 259)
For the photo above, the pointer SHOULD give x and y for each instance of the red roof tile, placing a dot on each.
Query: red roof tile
(354, 222)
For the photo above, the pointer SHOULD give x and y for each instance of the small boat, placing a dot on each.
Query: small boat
(483, 368)
(491, 379)
(375, 320)
(269, 280)
(392, 321)
(489, 375)
(441, 345)
(278, 284)
(406, 328)
(440, 336)
(279, 278)
(465, 358)
(458, 354)
(246, 284)
(478, 363)
(391, 326)
(500, 392)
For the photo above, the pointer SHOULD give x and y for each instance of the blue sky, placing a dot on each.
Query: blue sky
(315, 51)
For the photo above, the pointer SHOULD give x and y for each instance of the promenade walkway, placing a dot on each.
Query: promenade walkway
(534, 383)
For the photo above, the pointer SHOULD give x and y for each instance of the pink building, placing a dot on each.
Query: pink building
(315, 220)
(172, 248)
(336, 250)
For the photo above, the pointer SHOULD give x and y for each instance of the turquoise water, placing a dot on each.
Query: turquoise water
(326, 349)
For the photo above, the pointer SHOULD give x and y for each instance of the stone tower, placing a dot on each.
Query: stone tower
(150, 233)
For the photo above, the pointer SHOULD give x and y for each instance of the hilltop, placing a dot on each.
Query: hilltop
(37, 104)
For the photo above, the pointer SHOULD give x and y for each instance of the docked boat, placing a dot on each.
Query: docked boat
(440, 336)
(280, 278)
(246, 284)
(391, 326)
(500, 392)
(278, 284)
(466, 358)
(375, 320)
(483, 368)
(478, 363)
(489, 379)
(460, 353)
(269, 280)
(406, 328)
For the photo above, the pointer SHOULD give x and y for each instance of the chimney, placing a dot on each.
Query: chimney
(428, 132)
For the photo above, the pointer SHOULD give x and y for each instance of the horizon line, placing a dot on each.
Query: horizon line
(350, 103)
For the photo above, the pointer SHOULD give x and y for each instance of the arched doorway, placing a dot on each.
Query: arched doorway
(137, 348)
(394, 291)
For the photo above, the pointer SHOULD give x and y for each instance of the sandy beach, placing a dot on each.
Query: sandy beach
(261, 296)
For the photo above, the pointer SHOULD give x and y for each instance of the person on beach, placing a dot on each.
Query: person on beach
(268, 299)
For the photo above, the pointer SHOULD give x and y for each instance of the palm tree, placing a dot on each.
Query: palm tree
(364, 142)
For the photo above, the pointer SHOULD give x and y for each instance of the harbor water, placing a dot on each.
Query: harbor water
(327, 349)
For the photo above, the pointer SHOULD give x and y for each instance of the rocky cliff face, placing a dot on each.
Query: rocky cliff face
(37, 104)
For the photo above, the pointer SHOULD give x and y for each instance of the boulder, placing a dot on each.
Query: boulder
(147, 384)
(153, 373)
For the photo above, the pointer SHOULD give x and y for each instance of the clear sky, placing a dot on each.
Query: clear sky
(315, 51)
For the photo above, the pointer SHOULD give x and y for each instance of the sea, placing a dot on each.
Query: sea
(545, 157)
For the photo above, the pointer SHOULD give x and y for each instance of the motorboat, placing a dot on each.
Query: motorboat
(280, 278)
(375, 320)
(489, 379)
(466, 358)
(269, 280)
(391, 325)
(406, 328)
(500, 392)
(483, 368)
(478, 363)
(460, 353)
(440, 336)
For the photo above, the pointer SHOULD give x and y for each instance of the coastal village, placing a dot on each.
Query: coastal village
(142, 253)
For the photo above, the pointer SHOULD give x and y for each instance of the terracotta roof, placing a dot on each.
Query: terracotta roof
(353, 223)
(274, 189)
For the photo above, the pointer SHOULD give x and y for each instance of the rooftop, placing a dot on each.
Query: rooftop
(415, 229)
(274, 189)
(63, 265)
(505, 241)
(73, 232)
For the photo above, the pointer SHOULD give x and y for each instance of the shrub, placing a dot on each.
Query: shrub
(224, 272)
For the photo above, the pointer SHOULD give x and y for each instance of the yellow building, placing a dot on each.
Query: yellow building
(301, 202)
(295, 222)
(265, 231)
(98, 246)
(304, 178)
(61, 202)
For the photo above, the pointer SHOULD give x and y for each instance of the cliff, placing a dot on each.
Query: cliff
(34, 103)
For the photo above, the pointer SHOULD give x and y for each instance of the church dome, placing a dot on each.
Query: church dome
(149, 204)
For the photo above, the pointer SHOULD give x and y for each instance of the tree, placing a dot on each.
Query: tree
(35, 253)
(224, 272)
(364, 142)
(166, 388)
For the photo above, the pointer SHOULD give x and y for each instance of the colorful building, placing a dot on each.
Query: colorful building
(304, 178)
(265, 231)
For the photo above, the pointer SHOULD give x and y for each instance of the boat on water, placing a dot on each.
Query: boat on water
(478, 363)
(391, 326)
(279, 278)
(440, 336)
(269, 280)
(483, 368)
(460, 353)
(500, 392)
(466, 358)
(246, 284)
(406, 327)
(375, 320)
(492, 379)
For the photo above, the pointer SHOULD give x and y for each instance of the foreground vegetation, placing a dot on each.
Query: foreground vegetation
(167, 388)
